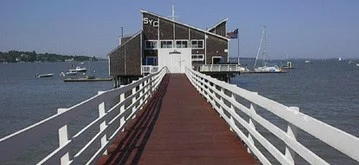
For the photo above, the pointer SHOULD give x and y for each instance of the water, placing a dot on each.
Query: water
(324, 89)
(26, 100)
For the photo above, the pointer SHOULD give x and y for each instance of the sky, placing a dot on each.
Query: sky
(295, 28)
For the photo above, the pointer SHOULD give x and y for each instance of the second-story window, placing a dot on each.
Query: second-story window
(166, 44)
(150, 44)
(181, 44)
(197, 44)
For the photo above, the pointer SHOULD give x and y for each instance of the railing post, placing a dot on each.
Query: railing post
(133, 102)
(145, 91)
(141, 94)
(101, 113)
(292, 133)
(251, 124)
(231, 120)
(221, 99)
(122, 109)
(63, 139)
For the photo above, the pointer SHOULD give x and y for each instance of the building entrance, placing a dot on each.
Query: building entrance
(176, 60)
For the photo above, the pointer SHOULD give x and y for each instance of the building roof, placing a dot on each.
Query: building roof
(174, 21)
(220, 22)
(122, 44)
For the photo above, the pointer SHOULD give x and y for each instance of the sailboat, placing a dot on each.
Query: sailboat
(265, 68)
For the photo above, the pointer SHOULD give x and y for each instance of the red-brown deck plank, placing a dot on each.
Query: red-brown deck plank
(177, 126)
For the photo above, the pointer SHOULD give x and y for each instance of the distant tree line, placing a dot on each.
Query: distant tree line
(26, 56)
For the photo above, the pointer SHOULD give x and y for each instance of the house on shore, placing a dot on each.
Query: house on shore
(167, 42)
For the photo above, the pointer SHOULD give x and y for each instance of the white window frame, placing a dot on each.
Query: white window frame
(181, 45)
(198, 59)
(155, 41)
(166, 43)
(197, 44)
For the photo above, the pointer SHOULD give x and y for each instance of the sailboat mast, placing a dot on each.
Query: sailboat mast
(265, 46)
(259, 48)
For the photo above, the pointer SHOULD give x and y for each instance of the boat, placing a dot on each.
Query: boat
(266, 68)
(357, 64)
(269, 69)
(70, 73)
(44, 75)
(307, 61)
(78, 69)
(288, 65)
(339, 59)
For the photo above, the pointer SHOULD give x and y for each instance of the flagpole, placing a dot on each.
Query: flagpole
(238, 48)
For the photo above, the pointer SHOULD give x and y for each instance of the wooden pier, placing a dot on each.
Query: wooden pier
(177, 126)
(165, 118)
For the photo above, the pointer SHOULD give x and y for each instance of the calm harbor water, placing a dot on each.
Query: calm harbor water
(325, 89)
(25, 99)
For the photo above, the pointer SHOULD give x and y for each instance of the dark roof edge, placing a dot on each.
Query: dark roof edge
(174, 21)
(119, 46)
(220, 22)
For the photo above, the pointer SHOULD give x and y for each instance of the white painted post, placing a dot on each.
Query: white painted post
(102, 112)
(221, 98)
(134, 108)
(141, 94)
(151, 85)
(63, 139)
(292, 133)
(122, 108)
(146, 90)
(231, 120)
(252, 125)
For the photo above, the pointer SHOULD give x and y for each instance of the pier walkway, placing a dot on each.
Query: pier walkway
(178, 126)
(189, 118)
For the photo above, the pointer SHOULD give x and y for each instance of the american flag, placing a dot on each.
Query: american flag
(233, 34)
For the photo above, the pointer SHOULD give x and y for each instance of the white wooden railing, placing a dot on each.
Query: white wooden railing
(147, 69)
(227, 100)
(222, 68)
(115, 108)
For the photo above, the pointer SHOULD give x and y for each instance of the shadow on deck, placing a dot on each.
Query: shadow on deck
(177, 126)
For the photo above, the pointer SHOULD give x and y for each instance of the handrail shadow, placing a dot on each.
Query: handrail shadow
(131, 146)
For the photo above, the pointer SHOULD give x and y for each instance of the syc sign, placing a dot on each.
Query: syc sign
(151, 22)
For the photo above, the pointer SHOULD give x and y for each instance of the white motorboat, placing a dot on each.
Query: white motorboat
(44, 75)
(78, 69)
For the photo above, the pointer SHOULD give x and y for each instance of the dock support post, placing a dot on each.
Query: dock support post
(63, 139)
(291, 132)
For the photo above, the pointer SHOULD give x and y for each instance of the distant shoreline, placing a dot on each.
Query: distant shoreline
(27, 56)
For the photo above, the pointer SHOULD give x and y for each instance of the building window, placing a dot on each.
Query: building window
(197, 44)
(166, 44)
(150, 60)
(197, 57)
(150, 44)
(181, 44)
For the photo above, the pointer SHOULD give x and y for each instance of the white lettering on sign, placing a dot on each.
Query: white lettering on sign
(151, 22)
